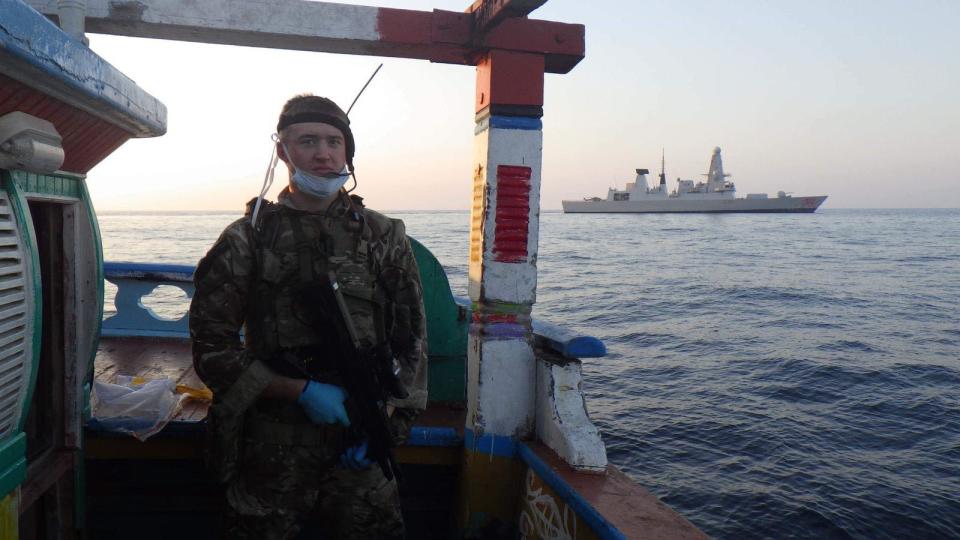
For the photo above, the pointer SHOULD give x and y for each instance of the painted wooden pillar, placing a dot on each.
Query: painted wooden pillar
(501, 372)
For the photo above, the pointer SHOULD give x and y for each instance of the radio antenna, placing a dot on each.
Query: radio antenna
(360, 93)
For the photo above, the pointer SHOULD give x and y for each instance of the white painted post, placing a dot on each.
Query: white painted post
(72, 15)
(503, 275)
(501, 365)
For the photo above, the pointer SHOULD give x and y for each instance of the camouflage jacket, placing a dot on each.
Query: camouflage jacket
(249, 280)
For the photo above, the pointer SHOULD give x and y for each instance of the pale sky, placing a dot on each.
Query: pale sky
(857, 100)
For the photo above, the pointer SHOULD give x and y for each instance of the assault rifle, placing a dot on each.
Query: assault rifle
(370, 375)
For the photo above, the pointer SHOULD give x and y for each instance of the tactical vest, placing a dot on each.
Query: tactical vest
(292, 248)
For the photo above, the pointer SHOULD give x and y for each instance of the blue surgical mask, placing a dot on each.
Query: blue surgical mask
(320, 187)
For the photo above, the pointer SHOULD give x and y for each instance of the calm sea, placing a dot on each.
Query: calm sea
(769, 376)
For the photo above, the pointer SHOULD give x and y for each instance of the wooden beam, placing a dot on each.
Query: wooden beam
(489, 13)
(438, 36)
(510, 84)
(44, 472)
(561, 44)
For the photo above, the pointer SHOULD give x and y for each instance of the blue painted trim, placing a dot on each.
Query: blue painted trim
(135, 281)
(433, 436)
(597, 523)
(127, 332)
(148, 271)
(497, 445)
(516, 122)
(29, 39)
(567, 343)
(522, 123)
(419, 435)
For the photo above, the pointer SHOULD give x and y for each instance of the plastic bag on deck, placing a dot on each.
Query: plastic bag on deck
(134, 405)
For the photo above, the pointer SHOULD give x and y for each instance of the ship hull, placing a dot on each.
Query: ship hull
(677, 205)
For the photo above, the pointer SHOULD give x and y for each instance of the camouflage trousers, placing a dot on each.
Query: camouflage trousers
(300, 491)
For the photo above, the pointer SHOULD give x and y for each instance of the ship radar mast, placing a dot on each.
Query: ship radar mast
(663, 170)
(715, 176)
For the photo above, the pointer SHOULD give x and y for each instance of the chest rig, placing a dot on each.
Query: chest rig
(293, 248)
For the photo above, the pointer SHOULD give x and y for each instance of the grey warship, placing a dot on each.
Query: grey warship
(716, 195)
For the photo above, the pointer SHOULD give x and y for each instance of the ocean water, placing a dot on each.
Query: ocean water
(769, 376)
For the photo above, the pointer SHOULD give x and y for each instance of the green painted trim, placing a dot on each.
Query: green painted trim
(98, 246)
(446, 378)
(29, 237)
(13, 463)
(87, 412)
(447, 327)
(13, 449)
(446, 333)
(506, 308)
(80, 471)
(61, 185)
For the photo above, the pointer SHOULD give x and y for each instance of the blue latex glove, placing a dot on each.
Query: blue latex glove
(323, 403)
(355, 457)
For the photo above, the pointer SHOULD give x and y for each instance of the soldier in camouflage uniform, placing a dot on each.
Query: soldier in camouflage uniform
(277, 426)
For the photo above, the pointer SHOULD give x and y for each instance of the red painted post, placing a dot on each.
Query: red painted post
(513, 214)
(510, 83)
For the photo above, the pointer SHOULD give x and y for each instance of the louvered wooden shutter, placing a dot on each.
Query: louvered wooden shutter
(16, 313)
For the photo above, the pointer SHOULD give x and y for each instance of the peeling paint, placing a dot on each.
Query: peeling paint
(73, 73)
(502, 375)
(503, 395)
(563, 423)
(505, 270)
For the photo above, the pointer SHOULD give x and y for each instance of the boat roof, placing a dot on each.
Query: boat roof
(38, 54)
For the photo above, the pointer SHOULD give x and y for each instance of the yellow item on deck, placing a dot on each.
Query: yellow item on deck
(203, 394)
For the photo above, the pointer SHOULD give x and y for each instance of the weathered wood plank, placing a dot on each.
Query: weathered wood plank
(152, 358)
(437, 36)
(487, 13)
(43, 473)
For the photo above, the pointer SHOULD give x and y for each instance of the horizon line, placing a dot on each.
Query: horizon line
(443, 210)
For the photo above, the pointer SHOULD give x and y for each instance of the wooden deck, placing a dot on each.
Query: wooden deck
(152, 358)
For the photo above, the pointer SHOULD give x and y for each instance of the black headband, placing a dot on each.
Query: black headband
(312, 116)
(324, 118)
